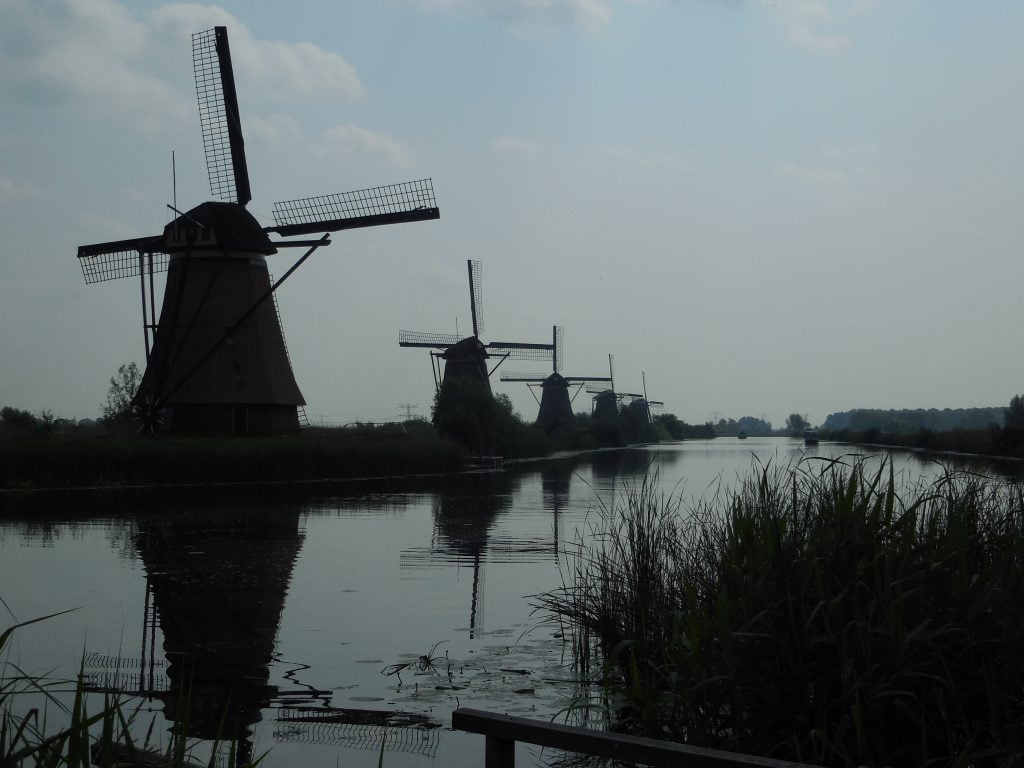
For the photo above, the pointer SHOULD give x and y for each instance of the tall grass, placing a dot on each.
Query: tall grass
(820, 615)
(32, 461)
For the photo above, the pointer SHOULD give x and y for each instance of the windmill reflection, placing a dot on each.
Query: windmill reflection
(216, 583)
(555, 481)
(467, 511)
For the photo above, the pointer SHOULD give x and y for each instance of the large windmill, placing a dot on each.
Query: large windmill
(555, 402)
(216, 361)
(467, 357)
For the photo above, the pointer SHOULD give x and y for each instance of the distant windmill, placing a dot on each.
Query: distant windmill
(606, 401)
(467, 357)
(555, 403)
(216, 360)
(649, 406)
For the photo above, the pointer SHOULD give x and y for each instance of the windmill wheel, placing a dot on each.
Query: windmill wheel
(149, 413)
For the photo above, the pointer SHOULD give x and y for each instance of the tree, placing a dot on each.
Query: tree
(465, 411)
(1015, 413)
(17, 419)
(122, 389)
(796, 423)
(675, 428)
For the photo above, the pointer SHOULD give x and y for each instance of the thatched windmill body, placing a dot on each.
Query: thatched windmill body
(555, 402)
(467, 358)
(216, 360)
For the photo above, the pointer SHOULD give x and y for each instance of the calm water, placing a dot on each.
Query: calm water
(291, 610)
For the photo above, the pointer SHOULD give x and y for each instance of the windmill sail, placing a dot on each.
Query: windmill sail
(427, 339)
(521, 351)
(476, 295)
(591, 382)
(218, 115)
(122, 258)
(391, 204)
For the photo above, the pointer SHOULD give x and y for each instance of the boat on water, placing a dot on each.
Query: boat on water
(742, 435)
(810, 437)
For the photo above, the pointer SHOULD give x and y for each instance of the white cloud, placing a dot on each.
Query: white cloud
(839, 173)
(532, 18)
(12, 189)
(345, 140)
(515, 146)
(272, 129)
(676, 162)
(108, 58)
(813, 26)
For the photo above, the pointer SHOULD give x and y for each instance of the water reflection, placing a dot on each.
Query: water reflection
(211, 587)
(216, 583)
(555, 483)
(464, 512)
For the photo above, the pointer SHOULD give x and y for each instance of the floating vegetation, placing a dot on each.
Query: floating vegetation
(424, 664)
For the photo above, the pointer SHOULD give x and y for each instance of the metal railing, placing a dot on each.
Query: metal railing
(503, 731)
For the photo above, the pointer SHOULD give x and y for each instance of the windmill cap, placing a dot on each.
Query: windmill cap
(217, 227)
(555, 380)
(470, 347)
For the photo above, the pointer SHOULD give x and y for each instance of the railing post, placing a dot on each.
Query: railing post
(499, 753)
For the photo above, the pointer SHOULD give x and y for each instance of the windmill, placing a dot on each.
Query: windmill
(467, 357)
(555, 403)
(216, 360)
(606, 401)
(646, 404)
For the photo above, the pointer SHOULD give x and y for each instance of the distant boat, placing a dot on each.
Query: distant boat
(742, 435)
(810, 437)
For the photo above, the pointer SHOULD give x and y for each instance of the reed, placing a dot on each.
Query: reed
(89, 735)
(822, 614)
(56, 461)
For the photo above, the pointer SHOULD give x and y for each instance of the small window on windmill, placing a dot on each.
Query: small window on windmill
(191, 235)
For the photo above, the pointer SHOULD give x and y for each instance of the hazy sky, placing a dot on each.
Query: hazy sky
(798, 205)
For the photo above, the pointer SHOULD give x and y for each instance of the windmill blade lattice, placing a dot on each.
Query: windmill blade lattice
(218, 116)
(427, 339)
(476, 296)
(375, 206)
(522, 376)
(517, 351)
(590, 383)
(121, 258)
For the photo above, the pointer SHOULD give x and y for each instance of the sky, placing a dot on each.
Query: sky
(762, 206)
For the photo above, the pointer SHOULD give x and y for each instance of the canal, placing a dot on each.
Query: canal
(333, 624)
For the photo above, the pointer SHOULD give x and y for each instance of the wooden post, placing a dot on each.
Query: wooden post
(499, 753)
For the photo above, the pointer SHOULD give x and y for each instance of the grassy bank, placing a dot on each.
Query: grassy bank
(815, 615)
(990, 441)
(38, 460)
